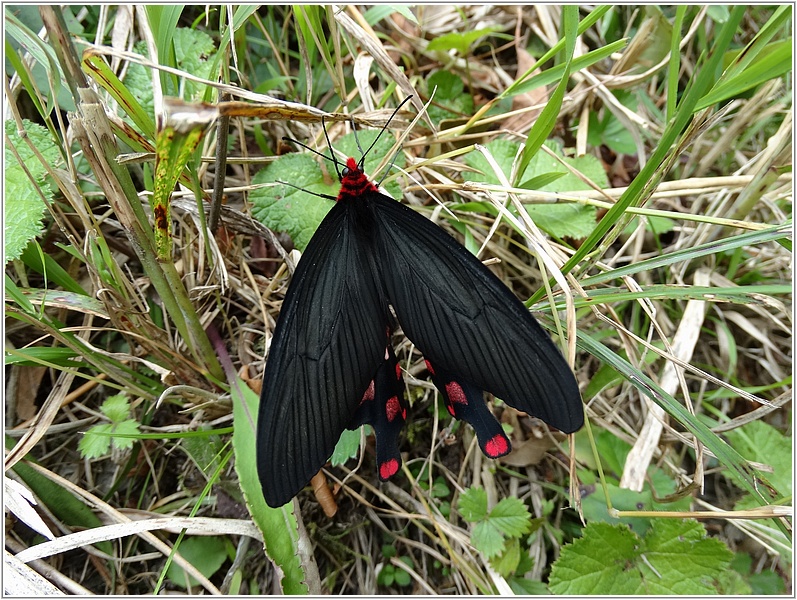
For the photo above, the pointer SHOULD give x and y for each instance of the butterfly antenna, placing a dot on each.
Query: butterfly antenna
(363, 154)
(306, 147)
(331, 151)
(301, 189)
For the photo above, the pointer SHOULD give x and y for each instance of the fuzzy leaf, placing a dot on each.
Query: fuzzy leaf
(23, 206)
(675, 557)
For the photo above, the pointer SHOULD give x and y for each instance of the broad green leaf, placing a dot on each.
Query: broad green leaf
(279, 526)
(473, 504)
(206, 553)
(284, 208)
(759, 442)
(675, 557)
(23, 207)
(560, 220)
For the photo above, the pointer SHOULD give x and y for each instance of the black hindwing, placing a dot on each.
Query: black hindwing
(466, 321)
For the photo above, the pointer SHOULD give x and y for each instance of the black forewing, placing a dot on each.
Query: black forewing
(464, 319)
(328, 343)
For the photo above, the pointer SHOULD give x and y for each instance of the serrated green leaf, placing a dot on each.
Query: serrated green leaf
(282, 208)
(298, 212)
(206, 553)
(675, 557)
(116, 408)
(487, 538)
(506, 563)
(23, 207)
(472, 504)
(122, 431)
(511, 517)
(96, 441)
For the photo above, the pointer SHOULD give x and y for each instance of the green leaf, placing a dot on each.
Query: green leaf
(116, 408)
(23, 207)
(283, 208)
(527, 587)
(279, 526)
(506, 563)
(346, 448)
(194, 51)
(206, 553)
(96, 441)
(675, 557)
(559, 220)
(472, 504)
(760, 442)
(380, 12)
(123, 434)
(461, 42)
(511, 517)
(487, 538)
(450, 93)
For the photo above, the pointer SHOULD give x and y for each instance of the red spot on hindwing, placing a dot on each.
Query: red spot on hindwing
(398, 371)
(369, 393)
(429, 366)
(455, 393)
(497, 446)
(388, 468)
(392, 408)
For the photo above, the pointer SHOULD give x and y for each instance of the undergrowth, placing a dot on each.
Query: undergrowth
(626, 170)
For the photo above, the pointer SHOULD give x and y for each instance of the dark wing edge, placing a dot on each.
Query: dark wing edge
(464, 319)
(328, 343)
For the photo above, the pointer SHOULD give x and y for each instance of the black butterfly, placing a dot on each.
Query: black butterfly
(331, 365)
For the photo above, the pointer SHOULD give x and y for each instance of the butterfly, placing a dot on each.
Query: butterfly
(371, 262)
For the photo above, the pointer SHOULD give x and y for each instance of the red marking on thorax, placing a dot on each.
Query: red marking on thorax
(354, 182)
